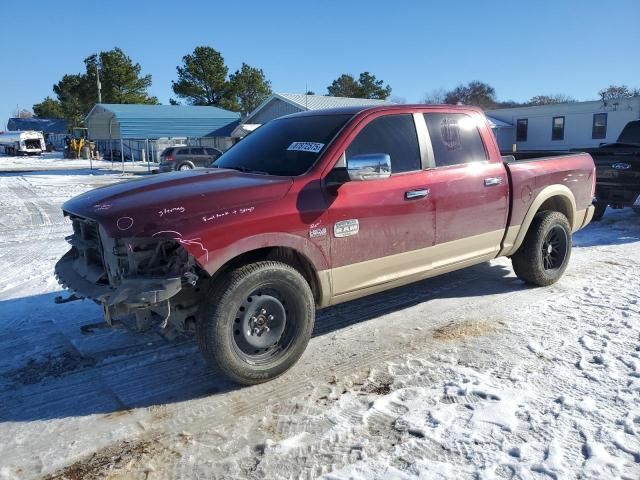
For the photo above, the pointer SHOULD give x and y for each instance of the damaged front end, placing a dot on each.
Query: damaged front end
(154, 278)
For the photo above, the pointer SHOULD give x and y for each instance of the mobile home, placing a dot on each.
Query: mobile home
(565, 125)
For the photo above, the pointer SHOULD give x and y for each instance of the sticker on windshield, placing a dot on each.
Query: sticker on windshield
(312, 147)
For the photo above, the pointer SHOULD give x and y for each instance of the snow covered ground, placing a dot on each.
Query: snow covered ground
(465, 376)
(54, 161)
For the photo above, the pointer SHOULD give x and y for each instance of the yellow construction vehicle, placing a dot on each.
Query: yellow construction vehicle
(78, 139)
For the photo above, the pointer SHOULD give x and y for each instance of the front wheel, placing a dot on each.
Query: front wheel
(257, 322)
(544, 255)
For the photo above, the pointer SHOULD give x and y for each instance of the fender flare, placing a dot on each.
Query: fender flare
(299, 244)
(552, 191)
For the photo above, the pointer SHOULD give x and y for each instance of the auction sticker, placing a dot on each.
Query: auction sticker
(312, 147)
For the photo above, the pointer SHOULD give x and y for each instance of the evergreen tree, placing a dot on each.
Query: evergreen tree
(366, 86)
(76, 94)
(246, 89)
(120, 79)
(202, 77)
(48, 108)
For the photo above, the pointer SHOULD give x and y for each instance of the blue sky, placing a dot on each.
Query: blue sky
(521, 48)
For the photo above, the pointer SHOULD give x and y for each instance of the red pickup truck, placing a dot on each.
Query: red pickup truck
(314, 209)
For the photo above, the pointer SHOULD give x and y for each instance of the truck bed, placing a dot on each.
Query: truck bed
(530, 172)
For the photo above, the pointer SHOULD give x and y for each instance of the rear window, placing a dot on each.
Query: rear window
(167, 151)
(630, 133)
(455, 139)
(287, 146)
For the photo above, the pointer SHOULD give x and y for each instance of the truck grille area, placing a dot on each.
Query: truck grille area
(87, 247)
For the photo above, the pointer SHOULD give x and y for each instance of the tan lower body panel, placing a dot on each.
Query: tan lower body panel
(584, 217)
(364, 278)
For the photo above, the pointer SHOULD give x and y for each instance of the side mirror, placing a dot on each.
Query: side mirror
(370, 166)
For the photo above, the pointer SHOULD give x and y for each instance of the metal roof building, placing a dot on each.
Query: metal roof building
(280, 104)
(44, 125)
(114, 121)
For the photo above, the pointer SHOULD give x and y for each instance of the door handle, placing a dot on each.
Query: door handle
(492, 181)
(414, 194)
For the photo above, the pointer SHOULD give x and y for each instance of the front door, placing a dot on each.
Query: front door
(380, 228)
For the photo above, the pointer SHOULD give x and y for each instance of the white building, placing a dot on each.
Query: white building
(565, 125)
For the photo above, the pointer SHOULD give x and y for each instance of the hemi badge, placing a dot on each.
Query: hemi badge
(346, 228)
(317, 232)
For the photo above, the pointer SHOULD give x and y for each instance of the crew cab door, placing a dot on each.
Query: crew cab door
(378, 227)
(469, 189)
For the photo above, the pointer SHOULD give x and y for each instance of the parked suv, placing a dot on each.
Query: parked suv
(187, 158)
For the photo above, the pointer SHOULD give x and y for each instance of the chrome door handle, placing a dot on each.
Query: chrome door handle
(413, 194)
(492, 181)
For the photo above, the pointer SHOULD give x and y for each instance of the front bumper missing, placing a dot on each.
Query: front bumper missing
(133, 292)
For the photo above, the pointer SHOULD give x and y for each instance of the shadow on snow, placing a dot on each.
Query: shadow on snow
(49, 369)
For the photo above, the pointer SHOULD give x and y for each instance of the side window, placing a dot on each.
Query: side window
(392, 134)
(599, 127)
(522, 125)
(455, 139)
(183, 151)
(197, 151)
(557, 128)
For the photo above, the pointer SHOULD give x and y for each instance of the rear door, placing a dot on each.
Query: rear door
(198, 156)
(469, 190)
(381, 228)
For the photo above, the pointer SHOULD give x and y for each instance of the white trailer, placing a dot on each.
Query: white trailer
(22, 143)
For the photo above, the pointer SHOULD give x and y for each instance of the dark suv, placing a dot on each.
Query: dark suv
(186, 158)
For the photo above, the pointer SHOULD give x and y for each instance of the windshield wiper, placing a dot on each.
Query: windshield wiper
(247, 170)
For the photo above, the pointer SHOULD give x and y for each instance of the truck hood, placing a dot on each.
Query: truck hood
(142, 207)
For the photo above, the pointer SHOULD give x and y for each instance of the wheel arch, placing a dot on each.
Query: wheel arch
(299, 253)
(557, 198)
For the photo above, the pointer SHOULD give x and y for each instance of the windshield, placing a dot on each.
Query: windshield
(286, 147)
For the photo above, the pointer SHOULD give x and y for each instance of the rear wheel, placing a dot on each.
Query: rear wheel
(544, 255)
(598, 213)
(257, 322)
(185, 166)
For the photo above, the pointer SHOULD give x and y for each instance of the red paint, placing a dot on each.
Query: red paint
(218, 214)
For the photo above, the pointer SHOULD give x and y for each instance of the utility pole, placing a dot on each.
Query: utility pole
(98, 78)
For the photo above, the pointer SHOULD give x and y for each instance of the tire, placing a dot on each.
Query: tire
(185, 166)
(257, 322)
(599, 211)
(544, 255)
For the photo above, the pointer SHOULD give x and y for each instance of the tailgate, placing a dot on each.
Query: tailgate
(617, 174)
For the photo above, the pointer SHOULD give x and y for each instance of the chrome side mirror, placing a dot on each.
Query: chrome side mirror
(370, 166)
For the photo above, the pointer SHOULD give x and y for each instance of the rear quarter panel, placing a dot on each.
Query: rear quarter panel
(530, 177)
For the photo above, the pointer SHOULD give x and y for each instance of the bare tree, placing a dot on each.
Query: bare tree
(551, 99)
(618, 91)
(435, 96)
(22, 113)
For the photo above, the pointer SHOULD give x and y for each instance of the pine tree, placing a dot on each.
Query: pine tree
(366, 86)
(202, 77)
(246, 89)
